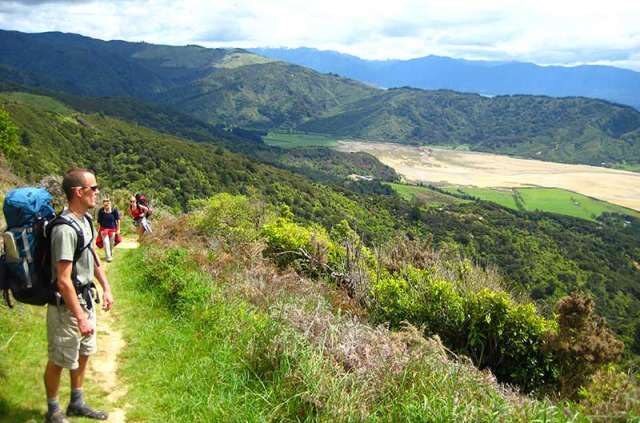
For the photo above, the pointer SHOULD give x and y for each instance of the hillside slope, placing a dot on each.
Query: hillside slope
(237, 88)
(473, 76)
(569, 130)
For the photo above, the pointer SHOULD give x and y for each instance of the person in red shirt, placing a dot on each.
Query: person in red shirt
(138, 212)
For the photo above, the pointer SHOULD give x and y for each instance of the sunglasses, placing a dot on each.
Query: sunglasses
(93, 188)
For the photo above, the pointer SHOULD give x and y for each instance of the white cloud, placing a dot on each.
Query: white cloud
(544, 31)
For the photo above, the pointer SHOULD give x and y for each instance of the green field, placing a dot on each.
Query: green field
(46, 103)
(425, 195)
(552, 200)
(277, 139)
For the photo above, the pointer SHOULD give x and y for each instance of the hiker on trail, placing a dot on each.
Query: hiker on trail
(71, 323)
(109, 231)
(139, 212)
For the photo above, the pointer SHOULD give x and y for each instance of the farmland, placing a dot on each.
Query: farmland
(546, 199)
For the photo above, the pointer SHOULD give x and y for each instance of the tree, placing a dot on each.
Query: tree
(9, 138)
(582, 344)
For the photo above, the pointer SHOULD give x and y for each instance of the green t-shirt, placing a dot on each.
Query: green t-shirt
(63, 246)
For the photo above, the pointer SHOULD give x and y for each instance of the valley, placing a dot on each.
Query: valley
(453, 167)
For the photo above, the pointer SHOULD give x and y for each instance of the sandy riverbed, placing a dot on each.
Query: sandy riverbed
(431, 165)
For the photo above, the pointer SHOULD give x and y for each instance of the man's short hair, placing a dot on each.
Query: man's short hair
(73, 178)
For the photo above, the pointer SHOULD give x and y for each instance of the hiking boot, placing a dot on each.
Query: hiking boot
(58, 417)
(85, 410)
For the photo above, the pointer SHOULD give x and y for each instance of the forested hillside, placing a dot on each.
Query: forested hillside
(236, 88)
(473, 76)
(544, 254)
(569, 130)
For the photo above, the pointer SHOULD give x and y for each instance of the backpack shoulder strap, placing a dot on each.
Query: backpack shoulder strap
(65, 220)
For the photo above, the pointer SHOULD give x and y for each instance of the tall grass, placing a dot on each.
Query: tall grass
(210, 339)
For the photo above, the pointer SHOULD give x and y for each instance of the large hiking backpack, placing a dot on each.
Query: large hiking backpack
(25, 266)
(142, 199)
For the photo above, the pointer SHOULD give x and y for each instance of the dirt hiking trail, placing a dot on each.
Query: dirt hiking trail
(103, 367)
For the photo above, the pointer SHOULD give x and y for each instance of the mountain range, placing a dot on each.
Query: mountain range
(474, 76)
(236, 88)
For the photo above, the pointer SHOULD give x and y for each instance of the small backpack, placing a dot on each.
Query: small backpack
(25, 266)
(142, 199)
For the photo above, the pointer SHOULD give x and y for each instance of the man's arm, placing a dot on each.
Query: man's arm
(68, 292)
(107, 297)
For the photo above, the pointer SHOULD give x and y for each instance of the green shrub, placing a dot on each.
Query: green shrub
(290, 244)
(234, 219)
(9, 138)
(489, 327)
(506, 337)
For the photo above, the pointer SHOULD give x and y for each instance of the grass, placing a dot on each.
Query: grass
(552, 200)
(426, 196)
(23, 357)
(247, 347)
(283, 140)
(504, 198)
(199, 349)
(46, 103)
(628, 167)
(179, 368)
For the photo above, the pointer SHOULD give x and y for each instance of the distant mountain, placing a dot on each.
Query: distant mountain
(231, 88)
(482, 77)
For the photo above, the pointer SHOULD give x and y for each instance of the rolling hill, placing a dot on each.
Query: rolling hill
(473, 76)
(233, 88)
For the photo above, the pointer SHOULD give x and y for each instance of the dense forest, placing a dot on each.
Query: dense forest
(542, 254)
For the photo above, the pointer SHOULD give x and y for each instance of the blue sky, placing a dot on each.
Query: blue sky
(542, 31)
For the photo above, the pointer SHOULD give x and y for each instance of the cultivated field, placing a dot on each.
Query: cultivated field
(449, 167)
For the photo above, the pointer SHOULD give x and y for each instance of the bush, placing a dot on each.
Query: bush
(506, 337)
(489, 327)
(233, 219)
(582, 343)
(292, 245)
(611, 393)
(9, 138)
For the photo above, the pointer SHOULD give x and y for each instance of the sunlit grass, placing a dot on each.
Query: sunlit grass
(43, 102)
(552, 200)
(283, 140)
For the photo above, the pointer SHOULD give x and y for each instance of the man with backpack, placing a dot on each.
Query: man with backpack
(71, 322)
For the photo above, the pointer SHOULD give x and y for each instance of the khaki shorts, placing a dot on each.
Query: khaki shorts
(66, 343)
